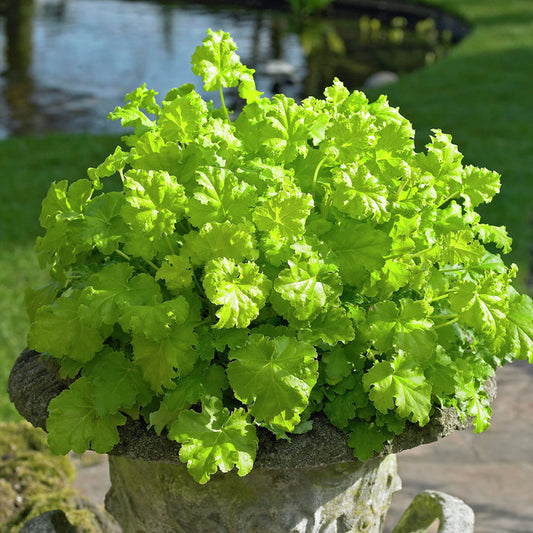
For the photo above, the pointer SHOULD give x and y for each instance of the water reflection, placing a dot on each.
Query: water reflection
(67, 63)
(18, 85)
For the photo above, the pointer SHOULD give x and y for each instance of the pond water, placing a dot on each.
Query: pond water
(67, 63)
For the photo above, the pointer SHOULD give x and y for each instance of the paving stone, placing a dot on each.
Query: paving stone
(93, 481)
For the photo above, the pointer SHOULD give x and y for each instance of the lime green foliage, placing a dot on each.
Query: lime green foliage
(306, 251)
(283, 371)
(215, 439)
(219, 66)
(75, 423)
(26, 169)
(240, 290)
(477, 94)
(33, 481)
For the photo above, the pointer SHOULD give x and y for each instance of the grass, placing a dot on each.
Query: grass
(480, 93)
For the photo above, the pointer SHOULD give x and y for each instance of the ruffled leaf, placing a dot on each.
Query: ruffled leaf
(274, 378)
(215, 439)
(240, 290)
(74, 422)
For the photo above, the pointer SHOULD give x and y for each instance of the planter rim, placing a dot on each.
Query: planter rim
(35, 380)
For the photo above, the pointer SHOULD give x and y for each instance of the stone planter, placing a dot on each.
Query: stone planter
(311, 484)
(331, 498)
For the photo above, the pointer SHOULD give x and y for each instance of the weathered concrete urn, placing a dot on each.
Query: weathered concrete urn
(311, 484)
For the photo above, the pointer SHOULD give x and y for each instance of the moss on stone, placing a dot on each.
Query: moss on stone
(33, 481)
(8, 502)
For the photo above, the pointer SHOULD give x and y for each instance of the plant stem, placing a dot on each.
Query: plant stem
(400, 189)
(451, 319)
(441, 297)
(224, 108)
(454, 316)
(444, 324)
(456, 269)
(153, 265)
(447, 199)
(122, 254)
(315, 175)
(325, 205)
(128, 258)
(171, 248)
(196, 282)
(414, 254)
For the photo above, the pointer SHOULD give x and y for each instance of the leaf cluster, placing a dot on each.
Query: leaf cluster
(215, 275)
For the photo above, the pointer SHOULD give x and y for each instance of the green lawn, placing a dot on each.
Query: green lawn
(481, 93)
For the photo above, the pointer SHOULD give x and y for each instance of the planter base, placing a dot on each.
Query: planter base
(338, 498)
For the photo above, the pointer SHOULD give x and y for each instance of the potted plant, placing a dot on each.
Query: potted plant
(220, 279)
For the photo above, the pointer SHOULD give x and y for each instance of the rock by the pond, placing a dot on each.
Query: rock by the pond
(380, 79)
(55, 521)
(280, 71)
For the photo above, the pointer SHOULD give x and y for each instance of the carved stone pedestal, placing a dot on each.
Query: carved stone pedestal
(342, 497)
